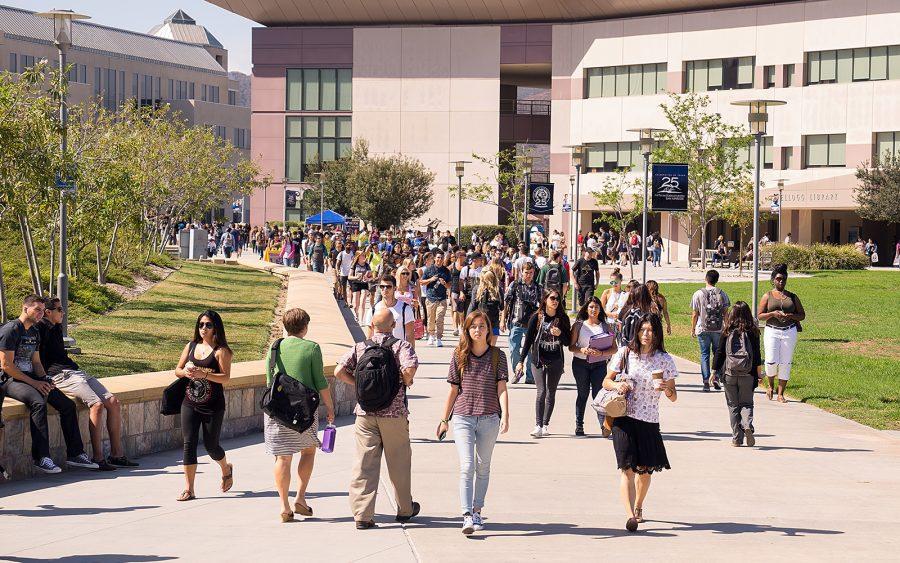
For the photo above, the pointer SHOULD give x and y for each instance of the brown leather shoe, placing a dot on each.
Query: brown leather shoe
(365, 524)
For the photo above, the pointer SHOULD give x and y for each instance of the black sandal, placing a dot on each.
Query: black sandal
(185, 496)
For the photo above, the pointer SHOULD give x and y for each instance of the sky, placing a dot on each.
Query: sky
(231, 29)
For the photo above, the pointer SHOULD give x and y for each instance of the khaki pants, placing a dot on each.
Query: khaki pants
(436, 312)
(374, 435)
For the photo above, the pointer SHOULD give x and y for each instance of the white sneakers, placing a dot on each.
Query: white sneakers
(477, 522)
(468, 527)
(545, 431)
(537, 432)
(47, 466)
(430, 340)
(438, 343)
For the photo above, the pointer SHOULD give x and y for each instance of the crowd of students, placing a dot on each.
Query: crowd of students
(616, 343)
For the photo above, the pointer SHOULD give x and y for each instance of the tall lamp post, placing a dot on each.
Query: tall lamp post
(780, 205)
(758, 116)
(577, 161)
(460, 169)
(646, 139)
(572, 237)
(321, 178)
(527, 163)
(62, 36)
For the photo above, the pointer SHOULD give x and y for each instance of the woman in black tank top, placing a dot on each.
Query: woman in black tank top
(206, 361)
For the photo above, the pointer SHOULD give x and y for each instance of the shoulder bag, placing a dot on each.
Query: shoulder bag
(287, 400)
(610, 402)
(173, 396)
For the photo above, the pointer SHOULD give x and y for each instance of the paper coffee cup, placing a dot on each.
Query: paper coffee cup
(657, 378)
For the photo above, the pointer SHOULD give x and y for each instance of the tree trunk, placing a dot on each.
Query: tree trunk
(703, 241)
(101, 279)
(740, 255)
(29, 256)
(3, 318)
(52, 261)
(112, 246)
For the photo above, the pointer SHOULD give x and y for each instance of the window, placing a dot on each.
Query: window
(191, 92)
(135, 86)
(240, 139)
(853, 65)
(232, 98)
(27, 62)
(627, 80)
(787, 158)
(609, 157)
(214, 94)
(319, 89)
(78, 73)
(311, 139)
(13, 63)
(788, 76)
(888, 142)
(204, 92)
(719, 74)
(171, 89)
(825, 150)
(748, 154)
(220, 132)
(769, 76)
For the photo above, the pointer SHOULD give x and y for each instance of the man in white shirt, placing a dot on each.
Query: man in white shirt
(539, 259)
(787, 239)
(468, 278)
(404, 316)
(521, 258)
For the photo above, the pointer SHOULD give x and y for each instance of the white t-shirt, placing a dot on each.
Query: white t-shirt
(539, 261)
(615, 302)
(520, 262)
(585, 334)
(402, 312)
(468, 278)
(345, 260)
(697, 306)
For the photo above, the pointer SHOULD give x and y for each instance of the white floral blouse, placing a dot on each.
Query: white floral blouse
(643, 399)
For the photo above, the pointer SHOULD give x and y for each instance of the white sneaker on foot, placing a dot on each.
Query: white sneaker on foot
(468, 525)
(545, 431)
(438, 343)
(477, 522)
(537, 432)
(431, 341)
(47, 466)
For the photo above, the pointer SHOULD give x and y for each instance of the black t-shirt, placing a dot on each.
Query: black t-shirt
(52, 349)
(585, 271)
(14, 336)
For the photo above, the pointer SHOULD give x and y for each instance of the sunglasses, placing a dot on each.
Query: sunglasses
(53, 309)
(205, 325)
(386, 286)
(553, 298)
(615, 282)
(404, 273)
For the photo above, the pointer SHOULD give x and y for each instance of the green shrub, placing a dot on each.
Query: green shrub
(164, 261)
(488, 232)
(94, 298)
(819, 257)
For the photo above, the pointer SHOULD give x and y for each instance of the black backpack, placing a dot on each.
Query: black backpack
(712, 310)
(288, 401)
(554, 277)
(377, 376)
(629, 326)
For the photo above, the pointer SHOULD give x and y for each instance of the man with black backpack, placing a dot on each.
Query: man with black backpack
(554, 276)
(708, 306)
(586, 274)
(381, 369)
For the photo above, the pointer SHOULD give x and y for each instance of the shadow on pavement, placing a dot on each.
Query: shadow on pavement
(743, 528)
(530, 529)
(93, 558)
(53, 510)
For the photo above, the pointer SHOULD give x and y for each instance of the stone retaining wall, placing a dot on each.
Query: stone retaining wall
(145, 431)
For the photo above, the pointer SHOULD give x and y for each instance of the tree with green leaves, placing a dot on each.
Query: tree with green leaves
(878, 190)
(737, 211)
(710, 147)
(621, 201)
(390, 190)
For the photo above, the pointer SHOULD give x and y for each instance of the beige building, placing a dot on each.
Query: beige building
(178, 62)
(443, 79)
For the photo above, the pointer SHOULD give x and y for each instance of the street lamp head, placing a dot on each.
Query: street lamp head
(577, 155)
(571, 179)
(62, 25)
(758, 114)
(460, 167)
(648, 136)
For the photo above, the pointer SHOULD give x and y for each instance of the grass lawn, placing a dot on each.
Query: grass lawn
(148, 333)
(847, 359)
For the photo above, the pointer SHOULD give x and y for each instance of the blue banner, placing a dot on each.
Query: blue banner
(540, 198)
(670, 187)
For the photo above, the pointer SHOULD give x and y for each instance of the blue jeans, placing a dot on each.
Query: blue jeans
(516, 335)
(475, 437)
(709, 341)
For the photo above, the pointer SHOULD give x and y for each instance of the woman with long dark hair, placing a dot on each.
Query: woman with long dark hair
(738, 362)
(782, 312)
(639, 303)
(549, 331)
(661, 306)
(206, 360)
(479, 406)
(592, 344)
(640, 371)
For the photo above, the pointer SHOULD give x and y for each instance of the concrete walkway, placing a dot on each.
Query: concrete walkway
(817, 487)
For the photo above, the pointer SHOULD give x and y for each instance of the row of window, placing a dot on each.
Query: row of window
(818, 151)
(735, 73)
(309, 140)
(853, 65)
(319, 89)
(626, 80)
(241, 139)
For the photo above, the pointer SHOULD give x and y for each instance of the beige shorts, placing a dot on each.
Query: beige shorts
(79, 385)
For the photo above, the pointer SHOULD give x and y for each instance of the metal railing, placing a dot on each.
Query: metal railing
(525, 107)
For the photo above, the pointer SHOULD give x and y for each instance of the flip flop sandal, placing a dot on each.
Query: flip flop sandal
(303, 510)
(185, 496)
(228, 480)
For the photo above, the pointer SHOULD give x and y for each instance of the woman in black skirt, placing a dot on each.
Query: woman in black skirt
(641, 371)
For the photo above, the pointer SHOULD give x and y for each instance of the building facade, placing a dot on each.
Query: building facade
(178, 63)
(443, 84)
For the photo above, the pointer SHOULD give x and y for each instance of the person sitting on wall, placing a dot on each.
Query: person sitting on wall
(76, 384)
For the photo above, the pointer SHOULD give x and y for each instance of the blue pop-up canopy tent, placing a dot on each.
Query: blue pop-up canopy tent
(327, 217)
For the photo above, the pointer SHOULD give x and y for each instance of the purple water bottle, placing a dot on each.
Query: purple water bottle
(328, 436)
